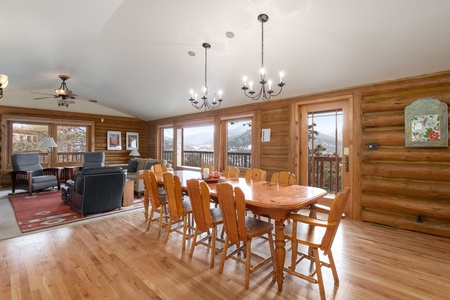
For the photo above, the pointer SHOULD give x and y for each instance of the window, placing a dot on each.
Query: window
(325, 149)
(198, 146)
(73, 140)
(167, 144)
(239, 143)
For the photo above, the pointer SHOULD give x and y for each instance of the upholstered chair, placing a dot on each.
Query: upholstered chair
(28, 174)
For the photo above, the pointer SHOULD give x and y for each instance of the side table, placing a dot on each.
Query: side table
(128, 193)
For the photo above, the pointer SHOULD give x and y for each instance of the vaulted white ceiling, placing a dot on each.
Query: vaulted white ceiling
(132, 55)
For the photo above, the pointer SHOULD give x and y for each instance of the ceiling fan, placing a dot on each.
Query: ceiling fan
(63, 94)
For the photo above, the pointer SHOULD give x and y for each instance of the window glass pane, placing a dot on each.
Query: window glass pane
(325, 150)
(167, 144)
(239, 143)
(198, 146)
(71, 142)
(28, 137)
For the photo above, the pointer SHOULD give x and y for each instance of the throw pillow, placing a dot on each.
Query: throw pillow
(132, 165)
(149, 165)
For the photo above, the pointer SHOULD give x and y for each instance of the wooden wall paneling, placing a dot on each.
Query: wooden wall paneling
(407, 221)
(437, 209)
(400, 183)
(256, 139)
(110, 123)
(277, 120)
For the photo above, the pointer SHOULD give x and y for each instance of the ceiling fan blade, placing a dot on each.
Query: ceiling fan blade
(41, 93)
(39, 98)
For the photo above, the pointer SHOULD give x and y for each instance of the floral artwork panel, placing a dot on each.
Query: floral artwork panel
(425, 128)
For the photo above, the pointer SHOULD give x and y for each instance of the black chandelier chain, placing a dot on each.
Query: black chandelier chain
(265, 92)
(205, 104)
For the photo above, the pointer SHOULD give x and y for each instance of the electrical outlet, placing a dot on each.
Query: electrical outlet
(419, 218)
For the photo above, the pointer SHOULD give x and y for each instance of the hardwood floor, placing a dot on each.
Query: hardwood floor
(114, 258)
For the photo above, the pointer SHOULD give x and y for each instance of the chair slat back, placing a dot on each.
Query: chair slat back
(158, 168)
(153, 190)
(255, 174)
(231, 172)
(284, 178)
(174, 194)
(200, 201)
(334, 217)
(233, 212)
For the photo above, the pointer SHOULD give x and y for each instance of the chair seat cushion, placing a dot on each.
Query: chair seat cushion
(43, 178)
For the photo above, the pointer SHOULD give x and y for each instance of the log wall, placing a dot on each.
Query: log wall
(403, 187)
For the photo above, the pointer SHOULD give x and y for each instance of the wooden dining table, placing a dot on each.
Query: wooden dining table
(268, 199)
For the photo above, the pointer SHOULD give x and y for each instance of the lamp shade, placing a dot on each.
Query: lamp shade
(48, 142)
(134, 152)
(3, 81)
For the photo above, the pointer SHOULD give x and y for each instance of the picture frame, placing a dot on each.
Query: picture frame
(114, 140)
(132, 141)
(426, 123)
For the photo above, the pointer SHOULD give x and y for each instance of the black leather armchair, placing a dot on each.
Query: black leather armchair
(95, 190)
(90, 160)
(28, 174)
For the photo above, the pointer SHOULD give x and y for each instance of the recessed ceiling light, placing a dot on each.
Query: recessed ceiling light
(191, 53)
(229, 34)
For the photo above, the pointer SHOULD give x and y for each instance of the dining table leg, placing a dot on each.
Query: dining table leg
(280, 253)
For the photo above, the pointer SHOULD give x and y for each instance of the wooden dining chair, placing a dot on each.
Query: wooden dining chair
(158, 201)
(255, 174)
(317, 235)
(241, 230)
(206, 218)
(284, 178)
(179, 209)
(231, 172)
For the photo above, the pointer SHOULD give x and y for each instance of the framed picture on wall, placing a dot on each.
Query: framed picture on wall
(426, 123)
(114, 140)
(132, 140)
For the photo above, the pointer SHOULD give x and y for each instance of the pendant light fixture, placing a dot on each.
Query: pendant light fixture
(265, 90)
(205, 103)
(3, 83)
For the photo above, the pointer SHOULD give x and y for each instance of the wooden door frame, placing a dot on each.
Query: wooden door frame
(298, 122)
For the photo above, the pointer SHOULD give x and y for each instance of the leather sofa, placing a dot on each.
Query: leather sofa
(137, 166)
(95, 190)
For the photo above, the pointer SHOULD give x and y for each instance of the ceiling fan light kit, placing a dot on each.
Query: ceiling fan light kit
(265, 92)
(63, 90)
(3, 83)
(205, 104)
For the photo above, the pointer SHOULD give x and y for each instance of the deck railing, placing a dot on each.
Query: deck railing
(200, 158)
(63, 157)
(325, 172)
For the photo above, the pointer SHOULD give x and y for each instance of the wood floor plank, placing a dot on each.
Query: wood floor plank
(115, 258)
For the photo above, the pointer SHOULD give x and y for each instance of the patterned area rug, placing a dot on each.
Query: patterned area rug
(46, 209)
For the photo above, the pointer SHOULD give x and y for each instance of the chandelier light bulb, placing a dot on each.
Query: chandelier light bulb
(270, 84)
(281, 76)
(262, 71)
